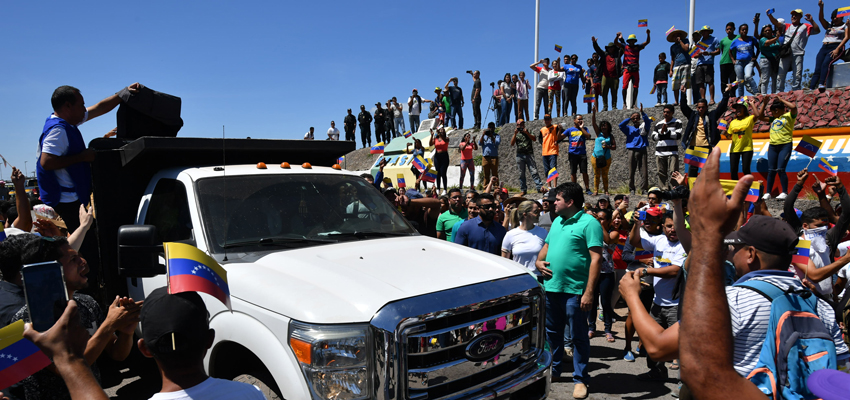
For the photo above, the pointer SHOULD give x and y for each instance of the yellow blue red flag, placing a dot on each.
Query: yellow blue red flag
(642, 23)
(19, 358)
(827, 167)
(377, 149)
(809, 146)
(191, 270)
(553, 173)
(802, 254)
(400, 178)
(558, 48)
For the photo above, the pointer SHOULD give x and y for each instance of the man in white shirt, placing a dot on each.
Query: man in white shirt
(414, 108)
(309, 135)
(333, 133)
(176, 334)
(797, 34)
(64, 176)
(398, 117)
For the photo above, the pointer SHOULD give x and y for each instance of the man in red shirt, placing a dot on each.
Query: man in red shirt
(610, 66)
(631, 64)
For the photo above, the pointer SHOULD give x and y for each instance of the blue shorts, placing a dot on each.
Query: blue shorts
(549, 162)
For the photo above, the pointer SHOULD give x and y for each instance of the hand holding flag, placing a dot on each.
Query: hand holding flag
(802, 252)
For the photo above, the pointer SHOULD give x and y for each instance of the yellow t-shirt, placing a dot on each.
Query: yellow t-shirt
(700, 139)
(782, 129)
(550, 140)
(742, 134)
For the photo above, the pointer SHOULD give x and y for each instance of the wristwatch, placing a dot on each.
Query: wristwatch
(643, 272)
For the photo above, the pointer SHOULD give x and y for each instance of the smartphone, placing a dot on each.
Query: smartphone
(758, 15)
(45, 293)
(771, 11)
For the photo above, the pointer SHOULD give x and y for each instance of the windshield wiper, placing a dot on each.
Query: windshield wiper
(367, 234)
(277, 241)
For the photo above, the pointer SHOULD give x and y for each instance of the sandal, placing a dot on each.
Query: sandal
(611, 339)
(590, 334)
(674, 365)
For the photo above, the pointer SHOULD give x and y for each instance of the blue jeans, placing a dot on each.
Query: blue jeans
(661, 92)
(561, 309)
(777, 160)
(399, 125)
(498, 109)
(823, 65)
(457, 111)
(414, 123)
(506, 112)
(527, 160)
(549, 162)
(794, 64)
(571, 96)
(744, 72)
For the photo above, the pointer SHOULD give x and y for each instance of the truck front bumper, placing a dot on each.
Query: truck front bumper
(531, 383)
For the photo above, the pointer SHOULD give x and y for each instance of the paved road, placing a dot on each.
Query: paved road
(611, 376)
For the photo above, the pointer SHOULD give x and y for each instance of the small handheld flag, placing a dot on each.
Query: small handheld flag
(823, 164)
(191, 270)
(669, 31)
(653, 89)
(429, 176)
(420, 163)
(802, 254)
(553, 173)
(377, 149)
(400, 178)
(696, 50)
(702, 45)
(642, 23)
(722, 125)
(695, 158)
(558, 48)
(407, 134)
(843, 12)
(19, 358)
(589, 98)
(641, 254)
(340, 160)
(5, 163)
(772, 10)
(809, 146)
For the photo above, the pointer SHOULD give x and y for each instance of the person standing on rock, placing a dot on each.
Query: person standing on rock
(523, 140)
(414, 108)
(631, 65)
(704, 75)
(380, 122)
(782, 119)
(523, 88)
(636, 128)
(834, 39)
(455, 94)
(389, 128)
(602, 146)
(701, 130)
(365, 120)
(542, 87)
(667, 133)
(489, 142)
(476, 98)
(681, 72)
(610, 65)
(550, 136)
(578, 136)
(398, 118)
(349, 124)
(797, 35)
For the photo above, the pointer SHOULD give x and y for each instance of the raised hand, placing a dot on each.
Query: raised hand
(718, 215)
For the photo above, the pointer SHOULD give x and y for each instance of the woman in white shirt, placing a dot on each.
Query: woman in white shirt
(523, 243)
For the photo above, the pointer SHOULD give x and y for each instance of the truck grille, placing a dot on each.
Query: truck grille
(426, 354)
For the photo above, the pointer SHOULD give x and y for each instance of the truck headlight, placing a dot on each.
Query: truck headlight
(334, 359)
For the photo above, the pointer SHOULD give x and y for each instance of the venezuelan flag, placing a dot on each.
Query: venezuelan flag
(802, 254)
(340, 160)
(830, 169)
(669, 31)
(2, 234)
(641, 254)
(429, 176)
(695, 158)
(400, 178)
(621, 244)
(843, 12)
(653, 90)
(696, 50)
(589, 98)
(642, 23)
(728, 186)
(701, 45)
(558, 48)
(19, 358)
(809, 146)
(191, 270)
(553, 173)
(407, 134)
(420, 163)
(722, 125)
(377, 149)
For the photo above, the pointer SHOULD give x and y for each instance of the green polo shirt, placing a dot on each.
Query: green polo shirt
(448, 219)
(569, 242)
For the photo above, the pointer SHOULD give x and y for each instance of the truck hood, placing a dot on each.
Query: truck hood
(350, 281)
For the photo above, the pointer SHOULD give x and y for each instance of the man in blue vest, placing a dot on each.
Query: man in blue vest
(64, 175)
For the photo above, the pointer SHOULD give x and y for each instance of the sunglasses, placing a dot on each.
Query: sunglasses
(487, 206)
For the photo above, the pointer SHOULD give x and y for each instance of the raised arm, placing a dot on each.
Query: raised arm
(598, 49)
(837, 232)
(826, 24)
(593, 120)
(679, 216)
(815, 29)
(624, 126)
(22, 202)
(776, 24)
(759, 114)
(792, 107)
(788, 206)
(646, 43)
(660, 344)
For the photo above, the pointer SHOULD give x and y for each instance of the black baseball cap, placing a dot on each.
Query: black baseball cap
(550, 196)
(766, 234)
(174, 322)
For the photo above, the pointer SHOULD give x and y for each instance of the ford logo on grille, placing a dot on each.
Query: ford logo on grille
(485, 346)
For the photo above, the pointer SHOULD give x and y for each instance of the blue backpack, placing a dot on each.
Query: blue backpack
(797, 343)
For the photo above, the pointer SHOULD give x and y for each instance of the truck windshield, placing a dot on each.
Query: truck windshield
(254, 212)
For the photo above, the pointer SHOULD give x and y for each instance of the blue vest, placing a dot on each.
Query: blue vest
(48, 185)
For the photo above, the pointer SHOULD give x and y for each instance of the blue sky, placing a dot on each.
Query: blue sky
(273, 69)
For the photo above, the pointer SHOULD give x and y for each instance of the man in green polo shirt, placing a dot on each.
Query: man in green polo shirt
(570, 271)
(456, 212)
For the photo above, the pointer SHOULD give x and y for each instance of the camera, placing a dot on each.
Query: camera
(492, 84)
(678, 192)
(469, 71)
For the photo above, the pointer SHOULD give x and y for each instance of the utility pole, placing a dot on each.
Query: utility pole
(536, 52)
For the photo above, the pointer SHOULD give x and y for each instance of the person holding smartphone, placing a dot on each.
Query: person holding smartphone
(111, 334)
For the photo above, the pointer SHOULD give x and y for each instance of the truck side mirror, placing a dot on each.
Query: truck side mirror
(138, 252)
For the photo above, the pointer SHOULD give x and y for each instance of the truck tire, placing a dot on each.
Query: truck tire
(259, 380)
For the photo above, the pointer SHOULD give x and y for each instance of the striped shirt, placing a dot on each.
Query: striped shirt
(750, 313)
(668, 142)
(631, 55)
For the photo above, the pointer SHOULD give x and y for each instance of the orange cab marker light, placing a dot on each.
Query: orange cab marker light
(284, 165)
(302, 350)
(261, 165)
(337, 167)
(306, 165)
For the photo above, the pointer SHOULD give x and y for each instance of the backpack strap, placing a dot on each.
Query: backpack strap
(764, 288)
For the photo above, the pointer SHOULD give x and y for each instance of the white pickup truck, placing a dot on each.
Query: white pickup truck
(334, 295)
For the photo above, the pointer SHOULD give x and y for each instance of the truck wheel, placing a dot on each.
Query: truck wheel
(260, 381)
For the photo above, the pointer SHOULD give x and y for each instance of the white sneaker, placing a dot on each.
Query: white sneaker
(781, 196)
(766, 196)
(658, 104)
